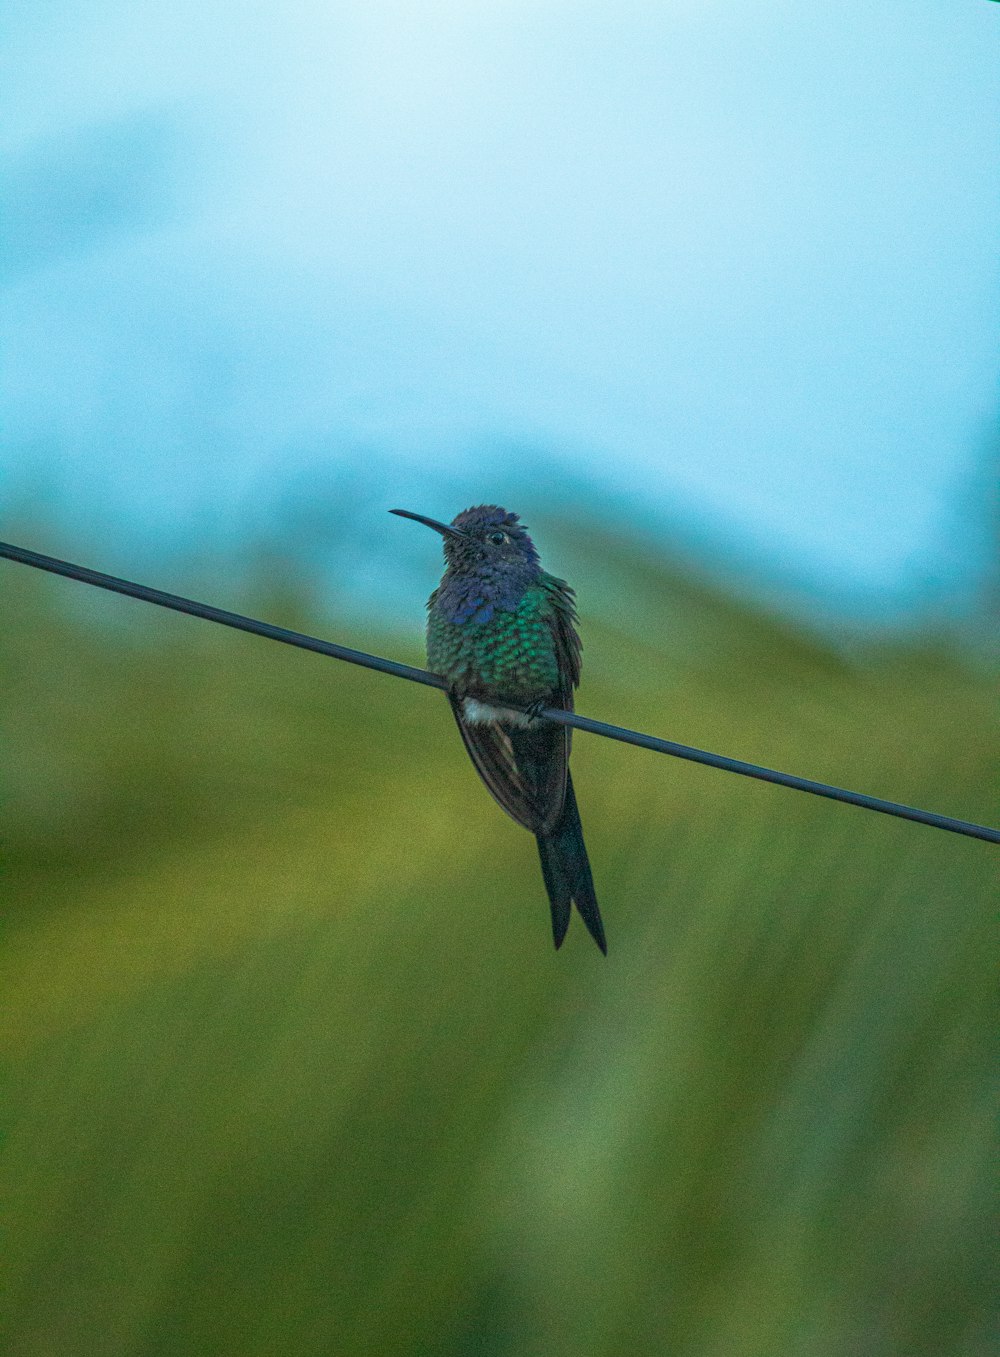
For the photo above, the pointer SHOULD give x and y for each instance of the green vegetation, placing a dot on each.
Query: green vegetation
(295, 1070)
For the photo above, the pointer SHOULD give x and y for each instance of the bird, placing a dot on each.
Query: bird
(501, 632)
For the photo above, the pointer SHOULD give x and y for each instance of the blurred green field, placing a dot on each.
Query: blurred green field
(294, 1069)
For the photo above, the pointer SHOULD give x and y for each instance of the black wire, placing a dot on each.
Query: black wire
(406, 671)
(225, 619)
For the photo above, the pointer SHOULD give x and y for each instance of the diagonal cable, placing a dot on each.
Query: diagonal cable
(407, 671)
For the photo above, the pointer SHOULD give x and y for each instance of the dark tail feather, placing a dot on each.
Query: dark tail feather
(560, 893)
(566, 870)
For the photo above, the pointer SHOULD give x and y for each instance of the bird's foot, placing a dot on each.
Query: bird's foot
(534, 709)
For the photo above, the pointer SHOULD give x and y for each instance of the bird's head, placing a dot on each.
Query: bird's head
(483, 540)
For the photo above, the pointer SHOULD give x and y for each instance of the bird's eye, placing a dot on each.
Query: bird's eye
(498, 538)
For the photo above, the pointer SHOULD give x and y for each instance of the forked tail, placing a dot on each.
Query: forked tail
(566, 870)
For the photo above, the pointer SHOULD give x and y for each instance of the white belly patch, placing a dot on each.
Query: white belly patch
(483, 714)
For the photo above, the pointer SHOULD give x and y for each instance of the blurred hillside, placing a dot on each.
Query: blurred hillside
(294, 1068)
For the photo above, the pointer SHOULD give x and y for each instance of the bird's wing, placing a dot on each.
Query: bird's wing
(524, 767)
(562, 619)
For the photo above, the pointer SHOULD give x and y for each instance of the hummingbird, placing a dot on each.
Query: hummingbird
(502, 633)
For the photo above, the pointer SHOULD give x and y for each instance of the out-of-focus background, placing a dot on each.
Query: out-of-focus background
(708, 293)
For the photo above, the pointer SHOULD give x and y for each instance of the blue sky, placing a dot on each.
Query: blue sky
(733, 264)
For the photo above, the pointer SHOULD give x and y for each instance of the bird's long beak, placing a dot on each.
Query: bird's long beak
(445, 529)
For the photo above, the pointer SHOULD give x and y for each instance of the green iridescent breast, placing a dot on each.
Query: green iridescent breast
(514, 653)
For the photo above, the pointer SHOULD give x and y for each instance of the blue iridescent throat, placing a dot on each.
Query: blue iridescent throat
(474, 597)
